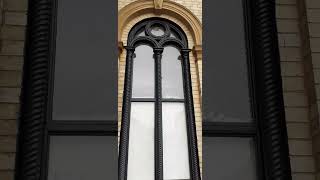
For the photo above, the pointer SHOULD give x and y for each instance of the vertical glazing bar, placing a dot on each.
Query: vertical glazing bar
(191, 127)
(158, 116)
(125, 124)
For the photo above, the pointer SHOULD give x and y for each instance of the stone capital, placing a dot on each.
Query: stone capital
(197, 52)
(120, 47)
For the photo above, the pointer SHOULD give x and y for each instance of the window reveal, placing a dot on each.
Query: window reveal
(158, 139)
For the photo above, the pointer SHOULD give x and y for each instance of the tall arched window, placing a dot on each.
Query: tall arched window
(158, 136)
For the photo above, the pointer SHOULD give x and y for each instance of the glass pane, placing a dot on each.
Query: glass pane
(143, 73)
(172, 81)
(175, 142)
(173, 35)
(229, 158)
(141, 142)
(85, 79)
(142, 33)
(83, 157)
(157, 31)
(227, 94)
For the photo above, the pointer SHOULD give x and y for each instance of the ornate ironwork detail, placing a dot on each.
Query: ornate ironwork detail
(191, 126)
(158, 116)
(157, 41)
(270, 98)
(172, 35)
(125, 124)
(34, 92)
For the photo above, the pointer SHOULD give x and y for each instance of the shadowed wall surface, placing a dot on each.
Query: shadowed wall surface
(299, 41)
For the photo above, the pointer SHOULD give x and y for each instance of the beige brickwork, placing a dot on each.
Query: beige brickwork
(296, 97)
(193, 68)
(299, 41)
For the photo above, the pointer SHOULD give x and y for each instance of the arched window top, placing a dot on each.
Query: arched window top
(157, 111)
(157, 33)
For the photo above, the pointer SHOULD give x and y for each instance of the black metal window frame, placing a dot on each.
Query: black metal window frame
(268, 125)
(36, 82)
(158, 44)
(35, 122)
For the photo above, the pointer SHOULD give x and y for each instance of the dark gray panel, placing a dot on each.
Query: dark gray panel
(85, 84)
(225, 76)
(83, 157)
(229, 158)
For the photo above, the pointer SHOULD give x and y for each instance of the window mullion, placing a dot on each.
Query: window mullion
(158, 115)
(124, 136)
(191, 127)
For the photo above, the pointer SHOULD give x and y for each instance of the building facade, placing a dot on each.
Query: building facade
(298, 23)
(189, 20)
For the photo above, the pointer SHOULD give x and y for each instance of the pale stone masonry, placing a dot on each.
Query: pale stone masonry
(299, 41)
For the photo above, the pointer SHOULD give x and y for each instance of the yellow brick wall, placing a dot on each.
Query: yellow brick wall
(194, 75)
(293, 73)
(299, 31)
(195, 6)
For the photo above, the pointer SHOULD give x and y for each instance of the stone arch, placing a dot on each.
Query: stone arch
(173, 9)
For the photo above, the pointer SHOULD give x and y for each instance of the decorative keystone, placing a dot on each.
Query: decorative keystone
(158, 4)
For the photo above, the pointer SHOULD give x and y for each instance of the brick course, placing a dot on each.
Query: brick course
(12, 35)
(294, 56)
